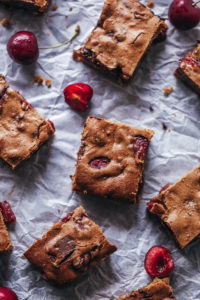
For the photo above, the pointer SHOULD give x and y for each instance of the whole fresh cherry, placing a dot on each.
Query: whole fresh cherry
(77, 95)
(184, 14)
(23, 48)
(158, 262)
(7, 294)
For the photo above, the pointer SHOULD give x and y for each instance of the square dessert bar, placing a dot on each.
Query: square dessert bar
(124, 32)
(178, 207)
(111, 159)
(158, 289)
(35, 6)
(22, 129)
(5, 242)
(70, 248)
(189, 69)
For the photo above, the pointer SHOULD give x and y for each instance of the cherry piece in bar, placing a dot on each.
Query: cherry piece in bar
(140, 147)
(158, 262)
(78, 95)
(8, 214)
(7, 294)
(164, 187)
(67, 218)
(99, 163)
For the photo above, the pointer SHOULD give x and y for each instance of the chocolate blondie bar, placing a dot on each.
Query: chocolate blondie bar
(124, 32)
(189, 69)
(178, 207)
(22, 129)
(35, 6)
(158, 289)
(111, 159)
(70, 248)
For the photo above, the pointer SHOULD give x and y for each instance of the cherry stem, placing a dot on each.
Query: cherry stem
(77, 30)
(195, 3)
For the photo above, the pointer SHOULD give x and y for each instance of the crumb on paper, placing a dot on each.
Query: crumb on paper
(48, 83)
(151, 108)
(174, 114)
(38, 79)
(70, 9)
(54, 8)
(67, 26)
(168, 91)
(78, 28)
(169, 130)
(150, 4)
(164, 126)
(5, 22)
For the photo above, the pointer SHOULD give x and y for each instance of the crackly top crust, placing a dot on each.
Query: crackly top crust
(122, 177)
(22, 129)
(179, 207)
(123, 33)
(158, 289)
(68, 250)
(190, 66)
(35, 6)
(5, 242)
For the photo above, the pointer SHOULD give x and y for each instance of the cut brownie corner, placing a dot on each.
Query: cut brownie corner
(111, 159)
(22, 129)
(37, 7)
(177, 206)
(6, 216)
(188, 69)
(70, 248)
(158, 289)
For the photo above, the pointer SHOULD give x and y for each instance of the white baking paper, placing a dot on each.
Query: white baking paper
(40, 190)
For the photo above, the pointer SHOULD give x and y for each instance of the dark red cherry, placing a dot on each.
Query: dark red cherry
(23, 48)
(7, 294)
(158, 262)
(184, 14)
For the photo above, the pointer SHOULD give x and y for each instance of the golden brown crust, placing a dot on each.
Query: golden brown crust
(123, 34)
(22, 129)
(179, 208)
(122, 177)
(158, 289)
(68, 250)
(189, 69)
(35, 6)
(5, 242)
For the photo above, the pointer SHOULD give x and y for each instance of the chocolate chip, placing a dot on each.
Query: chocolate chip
(63, 249)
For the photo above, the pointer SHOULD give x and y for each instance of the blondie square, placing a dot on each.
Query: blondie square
(70, 248)
(35, 6)
(189, 69)
(178, 207)
(158, 289)
(124, 32)
(111, 159)
(22, 129)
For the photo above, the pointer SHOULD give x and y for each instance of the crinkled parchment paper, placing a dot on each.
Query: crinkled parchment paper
(40, 190)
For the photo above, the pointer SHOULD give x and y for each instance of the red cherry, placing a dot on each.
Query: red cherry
(7, 294)
(158, 262)
(140, 147)
(184, 14)
(8, 214)
(77, 95)
(99, 163)
(23, 47)
(164, 187)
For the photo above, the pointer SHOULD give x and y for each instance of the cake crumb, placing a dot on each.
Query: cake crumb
(48, 83)
(5, 22)
(150, 4)
(168, 91)
(151, 109)
(169, 130)
(164, 126)
(38, 79)
(70, 9)
(174, 114)
(54, 8)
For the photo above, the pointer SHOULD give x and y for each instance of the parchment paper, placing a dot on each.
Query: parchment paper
(40, 190)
